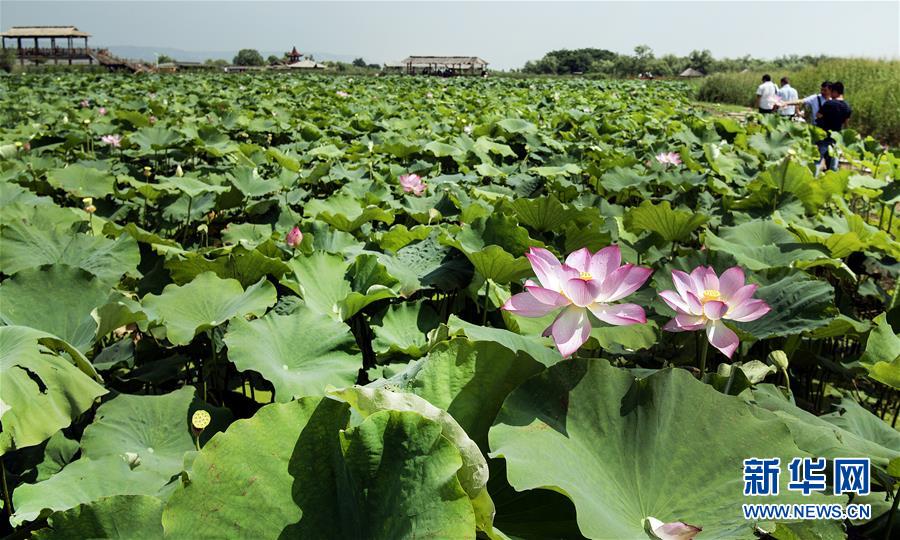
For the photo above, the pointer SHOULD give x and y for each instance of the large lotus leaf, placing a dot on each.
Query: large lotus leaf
(29, 247)
(533, 345)
(346, 213)
(248, 181)
(496, 230)
(439, 149)
(82, 482)
(193, 187)
(850, 431)
(292, 468)
(517, 125)
(496, 264)
(670, 225)
(473, 472)
(620, 179)
(41, 391)
(74, 293)
(81, 181)
(427, 264)
(760, 245)
(619, 339)
(793, 178)
(321, 282)
(882, 354)
(624, 449)
(799, 304)
(246, 265)
(155, 138)
(542, 213)
(204, 303)
(122, 517)
(151, 429)
(404, 328)
(300, 353)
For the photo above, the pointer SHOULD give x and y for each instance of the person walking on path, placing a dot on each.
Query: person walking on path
(766, 95)
(787, 94)
(833, 117)
(813, 102)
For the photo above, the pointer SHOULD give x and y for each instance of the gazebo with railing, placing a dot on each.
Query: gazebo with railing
(40, 44)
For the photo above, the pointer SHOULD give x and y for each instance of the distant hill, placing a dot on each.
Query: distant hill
(148, 54)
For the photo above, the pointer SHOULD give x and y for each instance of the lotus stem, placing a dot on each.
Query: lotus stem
(7, 502)
(485, 307)
(891, 515)
(704, 349)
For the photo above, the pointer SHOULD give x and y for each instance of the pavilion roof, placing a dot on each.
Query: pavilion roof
(43, 31)
(444, 60)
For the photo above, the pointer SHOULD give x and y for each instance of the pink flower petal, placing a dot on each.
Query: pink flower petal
(714, 309)
(605, 261)
(527, 305)
(674, 301)
(675, 530)
(695, 306)
(683, 283)
(722, 338)
(623, 281)
(570, 330)
(684, 322)
(619, 314)
(547, 296)
(737, 299)
(730, 281)
(710, 279)
(545, 267)
(698, 278)
(581, 292)
(580, 260)
(749, 311)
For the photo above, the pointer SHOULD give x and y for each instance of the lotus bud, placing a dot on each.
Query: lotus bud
(87, 200)
(90, 209)
(294, 237)
(778, 359)
(65, 119)
(87, 121)
(203, 228)
(178, 172)
(132, 459)
(147, 171)
(18, 144)
(370, 145)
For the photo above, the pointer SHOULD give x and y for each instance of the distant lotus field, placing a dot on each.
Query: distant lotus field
(262, 306)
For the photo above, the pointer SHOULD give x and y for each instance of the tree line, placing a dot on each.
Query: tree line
(644, 61)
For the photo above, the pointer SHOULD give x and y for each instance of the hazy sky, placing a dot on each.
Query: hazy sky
(504, 33)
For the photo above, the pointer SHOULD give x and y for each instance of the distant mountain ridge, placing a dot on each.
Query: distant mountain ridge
(148, 54)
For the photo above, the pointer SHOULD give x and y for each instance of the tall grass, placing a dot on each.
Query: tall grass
(872, 87)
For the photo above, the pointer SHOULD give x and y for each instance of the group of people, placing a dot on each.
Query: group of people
(827, 109)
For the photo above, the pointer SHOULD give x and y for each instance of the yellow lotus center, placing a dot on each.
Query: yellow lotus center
(586, 276)
(710, 295)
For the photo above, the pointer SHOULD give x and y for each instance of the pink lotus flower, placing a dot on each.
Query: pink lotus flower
(294, 237)
(85, 103)
(412, 183)
(152, 119)
(675, 530)
(113, 140)
(704, 300)
(341, 93)
(102, 111)
(669, 158)
(584, 283)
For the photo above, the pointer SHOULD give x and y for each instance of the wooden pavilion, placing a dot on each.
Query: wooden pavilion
(37, 44)
(445, 65)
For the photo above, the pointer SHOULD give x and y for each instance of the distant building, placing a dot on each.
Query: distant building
(691, 72)
(294, 56)
(300, 65)
(444, 65)
(41, 44)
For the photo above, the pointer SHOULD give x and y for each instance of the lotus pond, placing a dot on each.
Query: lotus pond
(294, 307)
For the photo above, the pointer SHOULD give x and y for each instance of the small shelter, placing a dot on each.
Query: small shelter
(294, 56)
(35, 52)
(691, 72)
(445, 65)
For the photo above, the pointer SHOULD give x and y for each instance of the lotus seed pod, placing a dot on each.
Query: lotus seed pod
(200, 420)
(779, 359)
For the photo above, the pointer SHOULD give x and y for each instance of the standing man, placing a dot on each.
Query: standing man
(814, 102)
(766, 95)
(833, 117)
(787, 94)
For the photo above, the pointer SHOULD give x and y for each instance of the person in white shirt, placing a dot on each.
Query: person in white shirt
(814, 102)
(766, 95)
(787, 94)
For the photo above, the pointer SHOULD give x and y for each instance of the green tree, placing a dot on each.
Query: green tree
(248, 57)
(701, 60)
(359, 62)
(218, 62)
(272, 59)
(165, 59)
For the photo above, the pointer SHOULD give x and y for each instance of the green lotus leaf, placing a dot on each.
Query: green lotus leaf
(533, 345)
(346, 213)
(799, 304)
(193, 187)
(403, 328)
(517, 125)
(248, 181)
(321, 283)
(151, 429)
(542, 213)
(155, 138)
(29, 247)
(399, 236)
(882, 355)
(300, 353)
(624, 449)
(81, 181)
(670, 225)
(75, 293)
(246, 265)
(439, 149)
(621, 179)
(204, 303)
(760, 245)
(42, 391)
(329, 151)
(122, 517)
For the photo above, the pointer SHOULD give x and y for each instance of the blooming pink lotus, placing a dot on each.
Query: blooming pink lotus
(152, 119)
(102, 111)
(675, 530)
(341, 93)
(412, 183)
(704, 300)
(294, 237)
(113, 140)
(85, 103)
(585, 282)
(669, 158)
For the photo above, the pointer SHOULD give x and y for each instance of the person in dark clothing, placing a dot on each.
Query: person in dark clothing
(833, 116)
